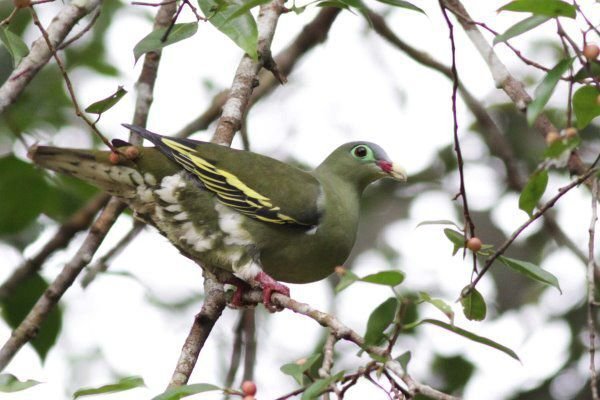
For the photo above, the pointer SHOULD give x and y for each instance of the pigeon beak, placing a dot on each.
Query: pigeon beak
(393, 170)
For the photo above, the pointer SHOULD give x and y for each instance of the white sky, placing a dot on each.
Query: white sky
(354, 86)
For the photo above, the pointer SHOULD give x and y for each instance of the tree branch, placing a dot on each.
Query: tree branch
(40, 53)
(29, 327)
(591, 292)
(245, 78)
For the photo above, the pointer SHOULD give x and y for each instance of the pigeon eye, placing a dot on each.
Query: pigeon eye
(360, 151)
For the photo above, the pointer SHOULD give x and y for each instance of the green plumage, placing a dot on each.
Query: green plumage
(236, 210)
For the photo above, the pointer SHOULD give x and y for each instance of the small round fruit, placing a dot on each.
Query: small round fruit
(113, 158)
(132, 152)
(474, 244)
(591, 51)
(570, 132)
(249, 388)
(340, 271)
(248, 397)
(552, 137)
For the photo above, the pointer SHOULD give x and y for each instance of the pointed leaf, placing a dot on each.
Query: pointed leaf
(107, 103)
(16, 307)
(533, 191)
(348, 279)
(379, 320)
(403, 4)
(545, 89)
(388, 278)
(127, 383)
(317, 387)
(9, 383)
(550, 8)
(404, 359)
(178, 392)
(532, 271)
(588, 71)
(469, 335)
(153, 41)
(457, 238)
(474, 306)
(246, 7)
(439, 304)
(241, 29)
(585, 105)
(521, 27)
(333, 3)
(14, 45)
(296, 370)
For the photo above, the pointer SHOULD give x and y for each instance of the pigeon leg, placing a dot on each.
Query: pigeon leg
(240, 288)
(270, 285)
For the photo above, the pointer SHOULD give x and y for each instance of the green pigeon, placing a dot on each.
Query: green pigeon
(259, 218)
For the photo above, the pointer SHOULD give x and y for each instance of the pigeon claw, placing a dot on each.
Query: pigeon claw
(241, 287)
(270, 285)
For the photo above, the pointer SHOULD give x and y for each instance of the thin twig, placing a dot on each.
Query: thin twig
(101, 264)
(469, 226)
(29, 327)
(561, 192)
(327, 364)
(249, 319)
(591, 291)
(67, 80)
(79, 35)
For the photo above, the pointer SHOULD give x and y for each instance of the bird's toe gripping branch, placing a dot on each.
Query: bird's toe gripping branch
(266, 283)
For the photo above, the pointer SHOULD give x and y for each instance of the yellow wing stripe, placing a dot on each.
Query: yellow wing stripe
(227, 189)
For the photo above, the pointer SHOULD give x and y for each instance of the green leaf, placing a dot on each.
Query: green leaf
(9, 383)
(14, 45)
(333, 3)
(24, 192)
(348, 279)
(532, 271)
(317, 387)
(388, 278)
(107, 103)
(439, 304)
(585, 105)
(468, 335)
(404, 359)
(153, 41)
(521, 27)
(474, 306)
(127, 383)
(178, 392)
(403, 4)
(556, 149)
(438, 222)
(550, 8)
(242, 29)
(592, 72)
(545, 89)
(246, 7)
(296, 370)
(533, 191)
(379, 320)
(457, 238)
(358, 4)
(16, 307)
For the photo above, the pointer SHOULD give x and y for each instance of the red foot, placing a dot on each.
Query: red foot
(270, 285)
(240, 288)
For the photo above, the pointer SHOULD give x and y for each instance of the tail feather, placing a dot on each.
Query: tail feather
(91, 166)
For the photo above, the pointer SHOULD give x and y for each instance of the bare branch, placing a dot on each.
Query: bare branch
(29, 327)
(591, 291)
(40, 53)
(79, 35)
(213, 306)
(245, 78)
(79, 221)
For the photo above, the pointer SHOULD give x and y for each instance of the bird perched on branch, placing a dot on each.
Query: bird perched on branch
(261, 219)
